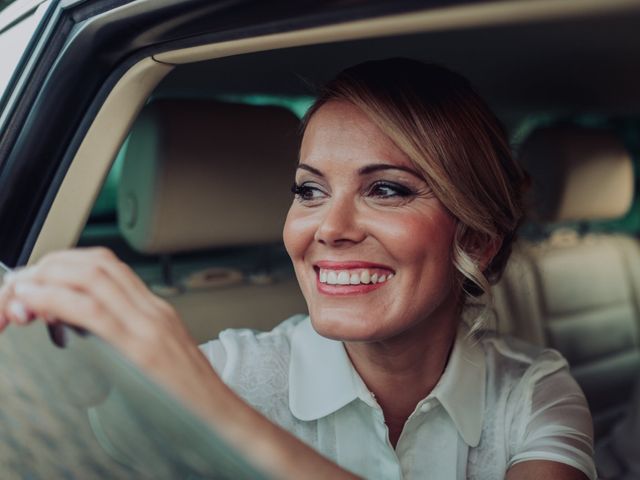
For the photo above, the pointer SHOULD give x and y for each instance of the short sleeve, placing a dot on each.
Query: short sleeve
(558, 426)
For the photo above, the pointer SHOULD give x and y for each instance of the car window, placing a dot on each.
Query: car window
(126, 428)
(5, 3)
(16, 30)
(87, 413)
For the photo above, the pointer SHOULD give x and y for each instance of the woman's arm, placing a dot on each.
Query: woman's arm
(537, 469)
(93, 290)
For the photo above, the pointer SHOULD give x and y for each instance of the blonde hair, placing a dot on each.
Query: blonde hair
(436, 118)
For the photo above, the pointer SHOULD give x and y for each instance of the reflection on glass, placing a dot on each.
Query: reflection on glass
(83, 412)
(14, 41)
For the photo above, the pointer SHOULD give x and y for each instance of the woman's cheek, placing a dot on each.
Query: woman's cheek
(297, 232)
(414, 237)
(402, 231)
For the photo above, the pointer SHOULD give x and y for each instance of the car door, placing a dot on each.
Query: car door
(83, 51)
(78, 75)
(70, 406)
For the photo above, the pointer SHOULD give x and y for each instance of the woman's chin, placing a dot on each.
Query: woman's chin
(347, 327)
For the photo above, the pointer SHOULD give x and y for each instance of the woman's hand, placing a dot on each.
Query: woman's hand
(92, 289)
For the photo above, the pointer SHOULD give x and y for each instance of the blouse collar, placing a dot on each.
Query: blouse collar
(322, 380)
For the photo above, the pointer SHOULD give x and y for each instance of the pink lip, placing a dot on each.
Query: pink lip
(342, 290)
(346, 265)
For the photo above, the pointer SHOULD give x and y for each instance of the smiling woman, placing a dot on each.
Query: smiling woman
(406, 202)
(436, 174)
(361, 210)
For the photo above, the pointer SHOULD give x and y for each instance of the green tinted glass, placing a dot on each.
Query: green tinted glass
(5, 3)
(84, 412)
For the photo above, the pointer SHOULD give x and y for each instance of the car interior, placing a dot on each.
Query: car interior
(191, 184)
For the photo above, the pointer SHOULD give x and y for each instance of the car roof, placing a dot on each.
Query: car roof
(573, 65)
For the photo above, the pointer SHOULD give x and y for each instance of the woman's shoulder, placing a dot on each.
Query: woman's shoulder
(255, 365)
(242, 348)
(521, 377)
(516, 375)
(534, 407)
(517, 361)
(281, 332)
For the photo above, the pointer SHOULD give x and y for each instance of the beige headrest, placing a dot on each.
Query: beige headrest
(577, 174)
(200, 174)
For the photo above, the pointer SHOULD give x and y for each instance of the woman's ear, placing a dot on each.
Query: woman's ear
(482, 249)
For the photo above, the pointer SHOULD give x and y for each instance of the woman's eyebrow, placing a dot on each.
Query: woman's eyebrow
(309, 168)
(367, 169)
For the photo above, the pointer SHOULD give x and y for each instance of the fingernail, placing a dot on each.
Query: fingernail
(23, 288)
(19, 312)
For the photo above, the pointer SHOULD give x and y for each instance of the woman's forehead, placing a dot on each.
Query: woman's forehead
(340, 132)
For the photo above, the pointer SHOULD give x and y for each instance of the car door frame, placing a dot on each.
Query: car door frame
(85, 48)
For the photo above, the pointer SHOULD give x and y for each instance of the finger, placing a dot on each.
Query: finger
(6, 289)
(83, 268)
(16, 312)
(82, 278)
(10, 313)
(107, 260)
(72, 307)
(97, 272)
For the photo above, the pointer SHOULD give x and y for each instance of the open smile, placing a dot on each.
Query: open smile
(349, 278)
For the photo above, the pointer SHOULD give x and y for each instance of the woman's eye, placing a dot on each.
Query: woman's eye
(306, 192)
(389, 190)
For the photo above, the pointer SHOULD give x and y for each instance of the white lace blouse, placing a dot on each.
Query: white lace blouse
(498, 402)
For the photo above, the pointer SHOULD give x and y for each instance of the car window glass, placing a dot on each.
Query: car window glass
(13, 43)
(5, 3)
(84, 412)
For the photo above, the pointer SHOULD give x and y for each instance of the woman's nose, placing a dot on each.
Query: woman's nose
(340, 224)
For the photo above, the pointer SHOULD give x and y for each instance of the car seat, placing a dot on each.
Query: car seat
(578, 292)
(205, 186)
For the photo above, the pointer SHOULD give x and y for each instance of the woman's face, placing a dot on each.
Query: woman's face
(370, 243)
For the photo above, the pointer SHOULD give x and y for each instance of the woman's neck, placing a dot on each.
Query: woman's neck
(402, 371)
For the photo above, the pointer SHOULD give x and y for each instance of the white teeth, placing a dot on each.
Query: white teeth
(357, 277)
(343, 278)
